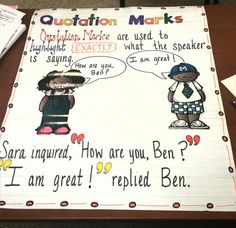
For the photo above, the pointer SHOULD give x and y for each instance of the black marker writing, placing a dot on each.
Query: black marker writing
(13, 176)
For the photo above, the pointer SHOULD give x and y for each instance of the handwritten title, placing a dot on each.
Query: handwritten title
(93, 20)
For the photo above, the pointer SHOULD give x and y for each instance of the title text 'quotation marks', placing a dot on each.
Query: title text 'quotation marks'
(195, 139)
(77, 138)
(107, 167)
(5, 164)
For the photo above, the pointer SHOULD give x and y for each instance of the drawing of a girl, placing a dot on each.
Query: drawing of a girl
(58, 100)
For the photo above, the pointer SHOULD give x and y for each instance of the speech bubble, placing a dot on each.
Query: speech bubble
(154, 62)
(99, 67)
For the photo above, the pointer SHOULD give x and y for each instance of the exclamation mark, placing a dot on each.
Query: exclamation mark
(173, 57)
(91, 175)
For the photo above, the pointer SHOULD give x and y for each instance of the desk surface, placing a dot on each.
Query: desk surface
(223, 35)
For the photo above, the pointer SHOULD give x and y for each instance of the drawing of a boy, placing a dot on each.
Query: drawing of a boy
(187, 97)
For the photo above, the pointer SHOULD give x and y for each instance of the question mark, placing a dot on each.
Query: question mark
(183, 149)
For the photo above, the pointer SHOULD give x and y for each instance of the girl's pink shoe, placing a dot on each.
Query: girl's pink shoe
(61, 131)
(46, 130)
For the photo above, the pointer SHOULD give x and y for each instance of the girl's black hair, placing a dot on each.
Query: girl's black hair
(42, 84)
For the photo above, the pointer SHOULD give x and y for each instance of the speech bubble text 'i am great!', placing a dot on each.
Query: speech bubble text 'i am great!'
(155, 62)
(99, 67)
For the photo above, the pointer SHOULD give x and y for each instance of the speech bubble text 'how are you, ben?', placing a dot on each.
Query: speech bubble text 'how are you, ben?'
(158, 63)
(99, 67)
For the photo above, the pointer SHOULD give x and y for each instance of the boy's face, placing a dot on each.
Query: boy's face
(186, 76)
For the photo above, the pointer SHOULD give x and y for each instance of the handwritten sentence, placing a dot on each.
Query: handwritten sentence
(48, 39)
(131, 178)
(56, 47)
(87, 151)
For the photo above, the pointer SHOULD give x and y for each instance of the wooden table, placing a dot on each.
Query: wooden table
(221, 20)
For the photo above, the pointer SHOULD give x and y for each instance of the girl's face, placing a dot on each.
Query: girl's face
(60, 82)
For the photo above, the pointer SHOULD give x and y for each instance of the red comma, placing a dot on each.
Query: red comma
(196, 139)
(77, 138)
(189, 138)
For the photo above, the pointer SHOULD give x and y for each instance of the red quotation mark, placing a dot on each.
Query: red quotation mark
(195, 139)
(77, 138)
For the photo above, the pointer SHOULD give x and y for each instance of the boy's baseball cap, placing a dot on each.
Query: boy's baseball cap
(182, 68)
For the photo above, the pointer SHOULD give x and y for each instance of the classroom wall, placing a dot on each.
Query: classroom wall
(26, 4)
